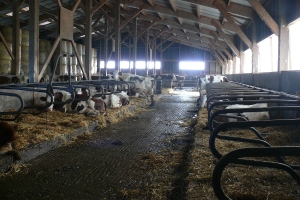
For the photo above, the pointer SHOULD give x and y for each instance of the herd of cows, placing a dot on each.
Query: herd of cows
(95, 101)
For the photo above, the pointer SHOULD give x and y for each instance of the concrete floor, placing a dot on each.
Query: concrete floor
(102, 165)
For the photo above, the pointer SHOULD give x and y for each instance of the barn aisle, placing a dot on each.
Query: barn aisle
(141, 157)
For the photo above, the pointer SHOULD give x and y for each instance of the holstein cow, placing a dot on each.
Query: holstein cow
(90, 107)
(143, 85)
(216, 78)
(114, 100)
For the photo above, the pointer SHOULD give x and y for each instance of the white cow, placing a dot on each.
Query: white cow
(216, 78)
(91, 106)
(251, 116)
(143, 85)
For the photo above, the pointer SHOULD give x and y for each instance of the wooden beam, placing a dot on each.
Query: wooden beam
(98, 6)
(198, 7)
(234, 8)
(128, 19)
(217, 42)
(173, 5)
(236, 28)
(161, 16)
(172, 23)
(227, 40)
(181, 14)
(147, 28)
(265, 16)
(8, 2)
(180, 21)
(168, 46)
(213, 46)
(75, 5)
(151, 2)
(6, 46)
(97, 21)
(124, 38)
(106, 16)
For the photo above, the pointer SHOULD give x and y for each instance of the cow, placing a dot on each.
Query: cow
(8, 134)
(90, 107)
(45, 79)
(179, 81)
(143, 85)
(251, 116)
(5, 80)
(216, 78)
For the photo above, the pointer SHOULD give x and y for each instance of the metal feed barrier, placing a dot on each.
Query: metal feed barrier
(102, 87)
(221, 95)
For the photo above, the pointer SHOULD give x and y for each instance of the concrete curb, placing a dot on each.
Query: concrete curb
(36, 150)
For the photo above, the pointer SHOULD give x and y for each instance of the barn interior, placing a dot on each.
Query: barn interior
(174, 99)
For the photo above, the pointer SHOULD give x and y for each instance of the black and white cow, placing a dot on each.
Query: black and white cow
(143, 85)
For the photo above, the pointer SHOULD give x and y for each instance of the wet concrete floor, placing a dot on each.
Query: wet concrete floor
(106, 165)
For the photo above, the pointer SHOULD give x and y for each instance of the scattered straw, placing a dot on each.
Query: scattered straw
(238, 181)
(33, 129)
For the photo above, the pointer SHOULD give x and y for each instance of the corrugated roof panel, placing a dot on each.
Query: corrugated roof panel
(242, 2)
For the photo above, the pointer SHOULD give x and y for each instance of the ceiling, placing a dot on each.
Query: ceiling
(205, 24)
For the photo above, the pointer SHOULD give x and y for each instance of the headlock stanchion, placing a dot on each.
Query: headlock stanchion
(283, 110)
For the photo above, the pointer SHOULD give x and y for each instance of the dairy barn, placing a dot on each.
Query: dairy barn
(149, 99)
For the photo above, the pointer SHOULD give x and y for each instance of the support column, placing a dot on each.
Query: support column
(117, 36)
(283, 51)
(99, 58)
(88, 38)
(146, 52)
(129, 53)
(242, 57)
(33, 40)
(254, 49)
(134, 45)
(15, 70)
(161, 56)
(154, 56)
(105, 48)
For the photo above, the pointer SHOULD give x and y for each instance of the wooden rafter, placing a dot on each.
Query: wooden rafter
(134, 14)
(181, 14)
(98, 6)
(218, 42)
(236, 28)
(234, 8)
(147, 28)
(224, 36)
(265, 16)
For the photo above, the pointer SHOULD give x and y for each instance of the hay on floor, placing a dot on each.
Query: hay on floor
(33, 129)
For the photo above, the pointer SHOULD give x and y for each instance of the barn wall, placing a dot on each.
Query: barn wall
(286, 81)
(293, 8)
(290, 8)
(170, 57)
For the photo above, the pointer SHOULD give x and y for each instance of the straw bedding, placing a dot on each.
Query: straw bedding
(241, 182)
(33, 129)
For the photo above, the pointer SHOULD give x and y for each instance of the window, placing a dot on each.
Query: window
(248, 61)
(125, 64)
(140, 64)
(294, 43)
(191, 65)
(268, 54)
(158, 65)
